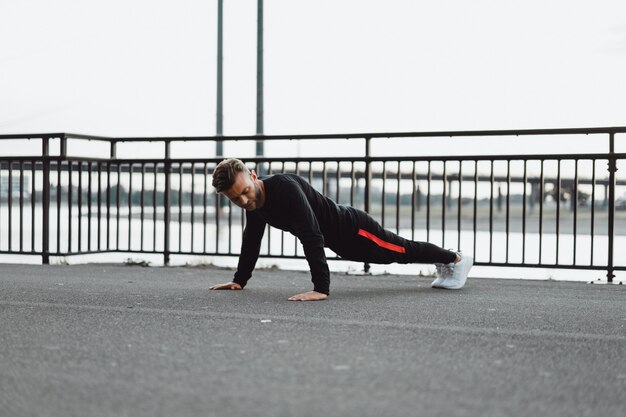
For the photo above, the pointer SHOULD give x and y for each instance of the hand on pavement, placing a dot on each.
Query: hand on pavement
(227, 286)
(308, 296)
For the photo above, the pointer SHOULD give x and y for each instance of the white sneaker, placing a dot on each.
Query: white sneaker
(443, 271)
(458, 277)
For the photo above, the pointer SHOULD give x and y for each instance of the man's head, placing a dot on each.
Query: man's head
(240, 185)
(226, 173)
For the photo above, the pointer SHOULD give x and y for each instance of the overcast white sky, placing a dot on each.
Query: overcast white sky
(147, 67)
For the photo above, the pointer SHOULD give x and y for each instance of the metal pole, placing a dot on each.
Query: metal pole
(167, 203)
(219, 147)
(45, 244)
(259, 81)
(611, 188)
(368, 180)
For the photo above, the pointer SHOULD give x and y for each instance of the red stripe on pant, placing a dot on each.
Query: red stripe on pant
(381, 242)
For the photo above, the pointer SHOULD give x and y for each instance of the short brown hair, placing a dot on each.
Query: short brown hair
(225, 173)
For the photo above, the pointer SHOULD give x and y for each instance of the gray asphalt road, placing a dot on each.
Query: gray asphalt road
(101, 340)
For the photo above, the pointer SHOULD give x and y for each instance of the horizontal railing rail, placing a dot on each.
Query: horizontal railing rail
(552, 210)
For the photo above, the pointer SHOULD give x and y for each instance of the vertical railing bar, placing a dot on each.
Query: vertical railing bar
(492, 184)
(612, 168)
(45, 210)
(62, 159)
(541, 197)
(204, 206)
(338, 180)
(299, 172)
(130, 204)
(508, 207)
(155, 171)
(46, 204)
(108, 198)
(475, 226)
(399, 178)
(575, 219)
(430, 177)
(118, 206)
(368, 180)
(10, 205)
(282, 235)
(384, 196)
(353, 183)
(269, 229)
(109, 204)
(21, 206)
(218, 217)
(193, 203)
(459, 206)
(593, 210)
(99, 167)
(112, 157)
(142, 202)
(89, 199)
(59, 189)
(93, 211)
(524, 197)
(33, 205)
(324, 178)
(444, 202)
(558, 208)
(295, 241)
(167, 203)
(80, 206)
(414, 196)
(69, 205)
(230, 220)
(180, 206)
(242, 218)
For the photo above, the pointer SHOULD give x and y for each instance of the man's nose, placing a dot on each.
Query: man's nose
(244, 200)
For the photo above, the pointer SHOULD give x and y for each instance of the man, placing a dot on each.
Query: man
(289, 203)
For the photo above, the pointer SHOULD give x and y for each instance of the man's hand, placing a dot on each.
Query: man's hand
(308, 296)
(227, 286)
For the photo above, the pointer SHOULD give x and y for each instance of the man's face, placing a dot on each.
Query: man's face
(245, 191)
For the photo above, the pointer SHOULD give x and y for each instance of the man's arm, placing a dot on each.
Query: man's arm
(250, 248)
(305, 227)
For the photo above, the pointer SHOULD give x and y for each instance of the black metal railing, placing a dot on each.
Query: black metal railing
(523, 209)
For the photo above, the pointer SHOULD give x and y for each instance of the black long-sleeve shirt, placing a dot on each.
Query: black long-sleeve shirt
(293, 205)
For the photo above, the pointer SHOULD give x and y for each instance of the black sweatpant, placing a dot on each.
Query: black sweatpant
(369, 242)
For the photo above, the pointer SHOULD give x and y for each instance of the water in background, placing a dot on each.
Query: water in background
(194, 238)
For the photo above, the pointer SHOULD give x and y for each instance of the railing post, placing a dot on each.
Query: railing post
(45, 209)
(167, 202)
(612, 168)
(61, 160)
(368, 179)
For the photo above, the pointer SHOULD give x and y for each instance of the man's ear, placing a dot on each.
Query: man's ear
(253, 175)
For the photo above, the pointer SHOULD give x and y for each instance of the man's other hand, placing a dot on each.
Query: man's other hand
(227, 286)
(308, 296)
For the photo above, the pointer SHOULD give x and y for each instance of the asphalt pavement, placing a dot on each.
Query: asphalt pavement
(115, 340)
